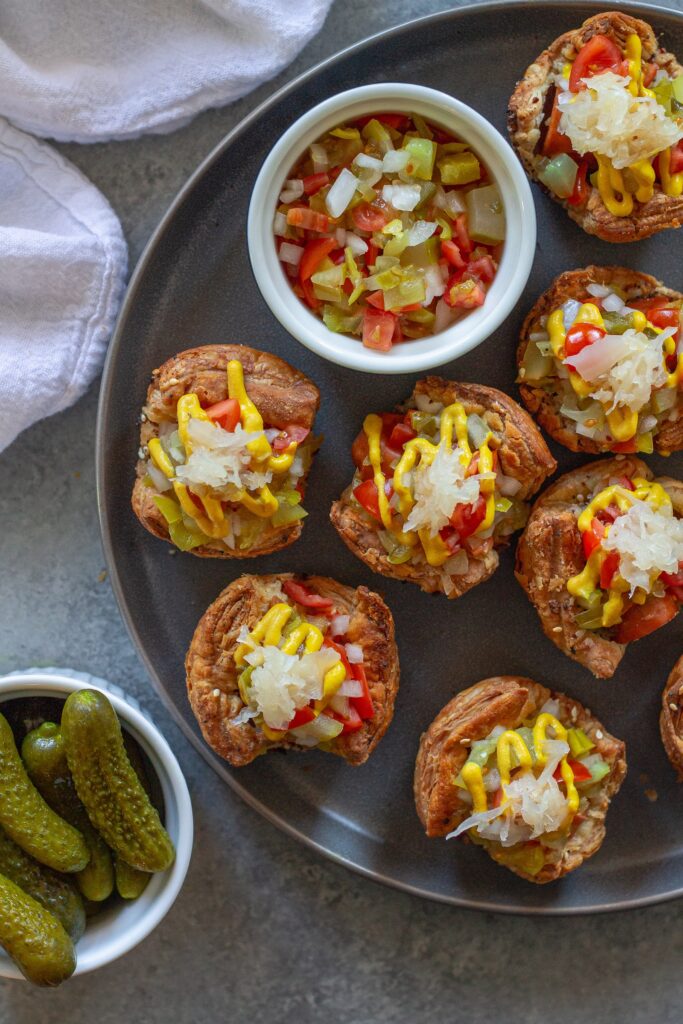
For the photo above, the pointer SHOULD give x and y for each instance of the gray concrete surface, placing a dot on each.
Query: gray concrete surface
(265, 930)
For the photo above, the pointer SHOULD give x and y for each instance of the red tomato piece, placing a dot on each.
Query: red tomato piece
(302, 717)
(310, 297)
(314, 182)
(341, 651)
(649, 73)
(625, 447)
(581, 335)
(351, 724)
(676, 158)
(608, 569)
(673, 579)
(400, 436)
(291, 434)
(378, 330)
(580, 192)
(368, 218)
(627, 483)
(464, 294)
(371, 255)
(555, 142)
(484, 268)
(310, 220)
(313, 255)
(642, 619)
(375, 299)
(609, 514)
(363, 704)
(301, 594)
(581, 772)
(591, 538)
(451, 539)
(462, 234)
(451, 252)
(225, 413)
(366, 495)
(600, 53)
(665, 317)
(497, 797)
(466, 518)
(337, 256)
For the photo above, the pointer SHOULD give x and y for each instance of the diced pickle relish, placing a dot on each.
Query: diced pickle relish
(389, 228)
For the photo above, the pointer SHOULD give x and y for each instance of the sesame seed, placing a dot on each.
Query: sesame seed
(651, 794)
(574, 713)
(216, 693)
(465, 740)
(557, 629)
(598, 734)
(674, 707)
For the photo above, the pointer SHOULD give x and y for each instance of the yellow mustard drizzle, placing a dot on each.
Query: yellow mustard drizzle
(264, 504)
(509, 741)
(622, 422)
(585, 583)
(268, 631)
(453, 421)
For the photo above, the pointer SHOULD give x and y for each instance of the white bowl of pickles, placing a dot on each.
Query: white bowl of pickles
(391, 228)
(95, 825)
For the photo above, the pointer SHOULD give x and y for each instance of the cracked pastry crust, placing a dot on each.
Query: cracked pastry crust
(671, 718)
(545, 404)
(470, 716)
(212, 676)
(529, 107)
(550, 552)
(523, 454)
(282, 395)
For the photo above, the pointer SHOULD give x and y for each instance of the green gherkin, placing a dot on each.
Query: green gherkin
(33, 937)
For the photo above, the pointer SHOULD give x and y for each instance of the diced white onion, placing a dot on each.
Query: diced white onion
(351, 688)
(340, 235)
(457, 564)
(341, 193)
(294, 189)
(455, 202)
(539, 336)
(395, 160)
(244, 716)
(291, 253)
(507, 485)
(570, 309)
(279, 224)
(354, 652)
(444, 315)
(371, 162)
(420, 232)
(357, 245)
(425, 404)
(339, 624)
(159, 479)
(401, 197)
(648, 423)
(598, 290)
(612, 303)
(271, 433)
(435, 286)
(321, 160)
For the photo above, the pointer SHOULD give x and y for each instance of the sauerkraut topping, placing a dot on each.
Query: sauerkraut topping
(527, 785)
(606, 118)
(649, 541)
(431, 481)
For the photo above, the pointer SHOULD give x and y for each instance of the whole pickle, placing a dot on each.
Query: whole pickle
(33, 937)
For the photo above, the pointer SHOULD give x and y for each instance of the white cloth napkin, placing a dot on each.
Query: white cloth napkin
(84, 72)
(62, 270)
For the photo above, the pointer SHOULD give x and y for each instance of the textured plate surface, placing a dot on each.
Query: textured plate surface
(194, 286)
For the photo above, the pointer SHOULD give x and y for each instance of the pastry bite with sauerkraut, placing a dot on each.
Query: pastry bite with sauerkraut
(226, 445)
(671, 717)
(598, 362)
(601, 559)
(441, 484)
(525, 773)
(287, 662)
(597, 119)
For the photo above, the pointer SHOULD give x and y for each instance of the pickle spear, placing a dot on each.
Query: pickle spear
(108, 785)
(130, 882)
(33, 937)
(44, 757)
(28, 820)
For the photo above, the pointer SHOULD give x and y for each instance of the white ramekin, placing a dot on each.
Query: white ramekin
(117, 930)
(518, 252)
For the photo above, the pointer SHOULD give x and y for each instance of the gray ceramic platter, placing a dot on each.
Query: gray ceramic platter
(194, 286)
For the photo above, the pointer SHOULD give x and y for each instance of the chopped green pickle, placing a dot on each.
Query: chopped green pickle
(459, 169)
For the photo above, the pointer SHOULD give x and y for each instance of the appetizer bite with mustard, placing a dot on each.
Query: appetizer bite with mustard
(671, 717)
(226, 445)
(389, 228)
(441, 484)
(598, 362)
(525, 773)
(295, 663)
(597, 119)
(601, 559)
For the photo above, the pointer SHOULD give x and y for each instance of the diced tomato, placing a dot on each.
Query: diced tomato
(625, 447)
(313, 255)
(378, 330)
(337, 256)
(649, 73)
(600, 53)
(451, 539)
(647, 305)
(580, 192)
(642, 619)
(399, 122)
(673, 579)
(400, 435)
(608, 569)
(314, 182)
(555, 142)
(609, 514)
(676, 158)
(580, 771)
(310, 297)
(368, 218)
(462, 235)
(464, 294)
(580, 335)
(627, 483)
(351, 724)
(359, 449)
(375, 299)
(341, 651)
(466, 518)
(301, 594)
(591, 538)
(302, 717)
(497, 797)
(291, 434)
(310, 220)
(225, 413)
(484, 268)
(362, 704)
(367, 496)
(451, 252)
(371, 255)
(666, 317)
